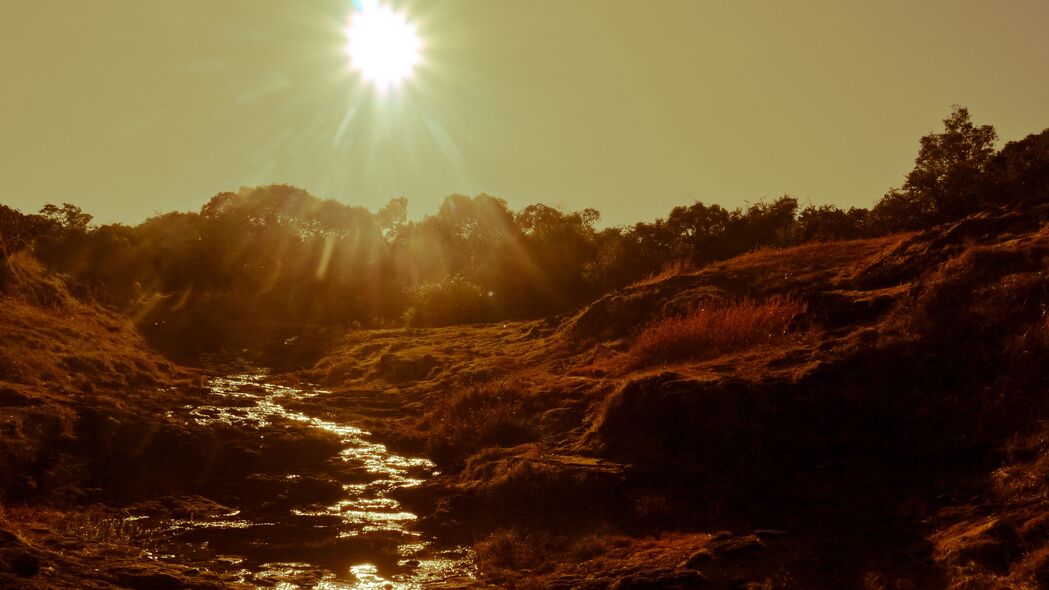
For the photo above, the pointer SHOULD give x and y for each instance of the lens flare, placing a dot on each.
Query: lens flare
(381, 44)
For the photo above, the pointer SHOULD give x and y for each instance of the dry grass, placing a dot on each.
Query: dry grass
(493, 414)
(716, 329)
(92, 524)
(54, 339)
(506, 552)
(669, 271)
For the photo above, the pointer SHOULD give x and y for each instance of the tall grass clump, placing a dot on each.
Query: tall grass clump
(494, 414)
(668, 271)
(716, 329)
(93, 524)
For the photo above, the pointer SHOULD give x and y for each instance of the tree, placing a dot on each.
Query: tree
(69, 217)
(828, 223)
(1021, 169)
(699, 232)
(766, 224)
(946, 182)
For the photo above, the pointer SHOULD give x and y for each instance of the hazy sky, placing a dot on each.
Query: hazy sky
(131, 108)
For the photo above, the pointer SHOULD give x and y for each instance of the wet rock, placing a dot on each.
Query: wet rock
(283, 492)
(425, 497)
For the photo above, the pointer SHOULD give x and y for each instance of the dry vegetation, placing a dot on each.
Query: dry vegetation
(53, 339)
(73, 374)
(821, 416)
(669, 271)
(493, 414)
(716, 329)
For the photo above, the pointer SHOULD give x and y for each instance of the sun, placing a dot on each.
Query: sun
(382, 45)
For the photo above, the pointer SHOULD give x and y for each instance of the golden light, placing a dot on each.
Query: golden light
(382, 45)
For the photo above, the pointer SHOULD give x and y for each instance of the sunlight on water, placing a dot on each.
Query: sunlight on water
(248, 401)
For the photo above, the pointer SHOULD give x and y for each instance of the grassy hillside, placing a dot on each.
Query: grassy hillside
(852, 414)
(81, 405)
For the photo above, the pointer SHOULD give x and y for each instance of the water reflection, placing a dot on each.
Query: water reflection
(248, 401)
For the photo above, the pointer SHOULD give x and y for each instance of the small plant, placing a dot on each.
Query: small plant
(716, 329)
(453, 300)
(477, 417)
(512, 549)
(91, 524)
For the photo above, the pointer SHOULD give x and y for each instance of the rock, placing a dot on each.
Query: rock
(673, 580)
(398, 369)
(8, 539)
(698, 558)
(704, 424)
(20, 563)
(728, 548)
(990, 542)
(848, 308)
(10, 398)
(737, 546)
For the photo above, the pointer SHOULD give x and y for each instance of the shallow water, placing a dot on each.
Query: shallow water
(365, 522)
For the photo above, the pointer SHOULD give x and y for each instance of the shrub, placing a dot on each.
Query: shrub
(452, 300)
(513, 549)
(714, 330)
(94, 524)
(477, 417)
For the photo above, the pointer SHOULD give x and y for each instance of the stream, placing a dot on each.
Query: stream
(364, 540)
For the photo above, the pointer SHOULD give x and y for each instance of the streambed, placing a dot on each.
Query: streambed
(339, 531)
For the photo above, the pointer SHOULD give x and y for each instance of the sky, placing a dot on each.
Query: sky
(132, 108)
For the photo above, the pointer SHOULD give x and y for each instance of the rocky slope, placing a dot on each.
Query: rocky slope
(90, 434)
(891, 437)
(119, 469)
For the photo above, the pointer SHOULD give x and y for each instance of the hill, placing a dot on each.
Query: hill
(867, 413)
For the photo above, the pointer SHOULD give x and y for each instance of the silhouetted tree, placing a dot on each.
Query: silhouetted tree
(827, 223)
(946, 182)
(18, 230)
(765, 224)
(699, 232)
(1020, 169)
(69, 217)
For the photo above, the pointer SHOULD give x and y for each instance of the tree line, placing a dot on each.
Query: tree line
(280, 254)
